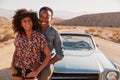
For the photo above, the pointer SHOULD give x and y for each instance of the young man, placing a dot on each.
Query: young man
(53, 39)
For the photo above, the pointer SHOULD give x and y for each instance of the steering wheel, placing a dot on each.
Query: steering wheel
(82, 44)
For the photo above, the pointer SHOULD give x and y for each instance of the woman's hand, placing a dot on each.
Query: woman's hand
(13, 70)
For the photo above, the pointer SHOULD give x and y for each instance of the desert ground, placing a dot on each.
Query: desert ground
(103, 37)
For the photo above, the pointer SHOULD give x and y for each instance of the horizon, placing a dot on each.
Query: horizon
(57, 13)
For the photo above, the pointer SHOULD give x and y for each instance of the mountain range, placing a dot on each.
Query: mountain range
(110, 19)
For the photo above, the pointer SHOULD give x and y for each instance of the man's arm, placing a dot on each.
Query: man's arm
(58, 46)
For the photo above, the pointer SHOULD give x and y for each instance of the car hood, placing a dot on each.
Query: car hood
(79, 61)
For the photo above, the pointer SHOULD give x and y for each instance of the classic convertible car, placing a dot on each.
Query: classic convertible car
(83, 60)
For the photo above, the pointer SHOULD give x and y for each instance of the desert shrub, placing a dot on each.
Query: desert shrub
(94, 32)
(116, 36)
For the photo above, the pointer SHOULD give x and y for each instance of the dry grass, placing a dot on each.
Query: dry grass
(116, 35)
(64, 27)
(105, 32)
(108, 33)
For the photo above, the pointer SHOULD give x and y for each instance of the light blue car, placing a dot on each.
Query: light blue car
(83, 60)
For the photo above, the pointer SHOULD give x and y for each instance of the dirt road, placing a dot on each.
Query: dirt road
(6, 54)
(110, 49)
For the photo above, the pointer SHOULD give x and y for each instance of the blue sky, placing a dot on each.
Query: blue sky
(67, 5)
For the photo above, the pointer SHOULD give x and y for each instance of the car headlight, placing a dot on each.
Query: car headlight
(112, 76)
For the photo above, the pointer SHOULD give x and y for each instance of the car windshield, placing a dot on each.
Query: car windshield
(77, 42)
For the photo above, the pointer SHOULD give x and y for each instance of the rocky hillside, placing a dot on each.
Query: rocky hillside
(6, 31)
(56, 20)
(101, 19)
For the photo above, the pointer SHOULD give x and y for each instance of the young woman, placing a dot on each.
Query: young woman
(28, 45)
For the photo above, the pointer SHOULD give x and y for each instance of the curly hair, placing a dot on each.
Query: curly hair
(21, 14)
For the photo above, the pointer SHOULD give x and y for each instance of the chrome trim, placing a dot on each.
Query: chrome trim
(74, 77)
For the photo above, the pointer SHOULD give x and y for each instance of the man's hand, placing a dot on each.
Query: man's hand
(32, 74)
(53, 60)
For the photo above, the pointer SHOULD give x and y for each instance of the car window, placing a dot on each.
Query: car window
(81, 42)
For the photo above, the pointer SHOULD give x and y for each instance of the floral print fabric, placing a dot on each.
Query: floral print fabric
(27, 52)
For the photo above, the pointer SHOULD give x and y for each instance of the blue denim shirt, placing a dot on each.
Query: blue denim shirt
(54, 42)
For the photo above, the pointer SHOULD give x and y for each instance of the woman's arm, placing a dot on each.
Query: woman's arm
(58, 46)
(46, 60)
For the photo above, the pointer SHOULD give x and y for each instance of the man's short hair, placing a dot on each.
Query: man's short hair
(46, 9)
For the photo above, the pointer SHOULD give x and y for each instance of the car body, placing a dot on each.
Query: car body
(83, 60)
